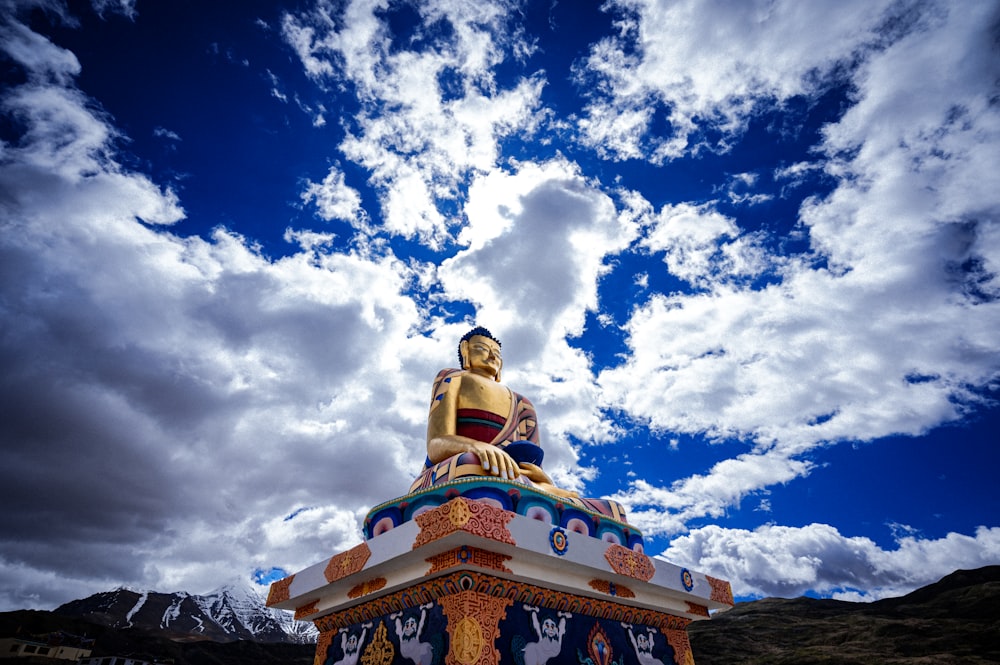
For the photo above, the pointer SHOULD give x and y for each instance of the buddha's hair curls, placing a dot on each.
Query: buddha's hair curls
(478, 330)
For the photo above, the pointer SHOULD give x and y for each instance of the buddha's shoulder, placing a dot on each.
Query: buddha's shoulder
(447, 379)
(449, 373)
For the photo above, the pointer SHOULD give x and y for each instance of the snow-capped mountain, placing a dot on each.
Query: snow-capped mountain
(233, 612)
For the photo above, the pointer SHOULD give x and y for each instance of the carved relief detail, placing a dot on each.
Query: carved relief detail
(694, 608)
(472, 556)
(279, 591)
(611, 588)
(628, 562)
(679, 642)
(347, 563)
(674, 622)
(306, 610)
(473, 627)
(440, 589)
(367, 587)
(461, 514)
(722, 592)
(380, 651)
(467, 641)
(322, 646)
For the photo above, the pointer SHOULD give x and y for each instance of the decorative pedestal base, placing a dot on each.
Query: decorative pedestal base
(468, 583)
(577, 515)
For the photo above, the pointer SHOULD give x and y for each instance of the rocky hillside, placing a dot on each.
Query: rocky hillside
(145, 644)
(955, 621)
(228, 614)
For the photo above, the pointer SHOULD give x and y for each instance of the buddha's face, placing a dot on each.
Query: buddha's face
(482, 356)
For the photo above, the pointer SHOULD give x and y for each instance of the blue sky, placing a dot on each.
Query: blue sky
(743, 256)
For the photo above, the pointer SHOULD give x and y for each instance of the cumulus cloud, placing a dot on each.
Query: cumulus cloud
(432, 111)
(188, 392)
(335, 199)
(182, 391)
(789, 561)
(704, 247)
(537, 240)
(885, 325)
(708, 67)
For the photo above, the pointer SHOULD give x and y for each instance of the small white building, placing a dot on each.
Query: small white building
(16, 647)
(114, 660)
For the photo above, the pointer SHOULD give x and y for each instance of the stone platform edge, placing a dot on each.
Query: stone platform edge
(468, 536)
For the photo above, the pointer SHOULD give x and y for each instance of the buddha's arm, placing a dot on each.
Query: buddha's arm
(535, 474)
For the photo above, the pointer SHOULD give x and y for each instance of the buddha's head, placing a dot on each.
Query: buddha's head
(479, 352)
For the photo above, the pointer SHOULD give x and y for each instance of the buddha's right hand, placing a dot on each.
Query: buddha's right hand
(495, 461)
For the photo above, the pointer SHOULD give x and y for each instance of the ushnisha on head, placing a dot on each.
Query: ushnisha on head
(479, 352)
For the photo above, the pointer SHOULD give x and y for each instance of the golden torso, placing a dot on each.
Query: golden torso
(468, 390)
(479, 392)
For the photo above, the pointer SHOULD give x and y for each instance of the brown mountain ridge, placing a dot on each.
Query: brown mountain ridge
(953, 621)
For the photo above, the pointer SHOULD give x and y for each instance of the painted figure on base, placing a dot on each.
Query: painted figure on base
(643, 645)
(550, 637)
(409, 633)
(350, 645)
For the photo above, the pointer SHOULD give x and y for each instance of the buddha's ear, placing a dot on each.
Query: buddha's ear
(463, 350)
(499, 370)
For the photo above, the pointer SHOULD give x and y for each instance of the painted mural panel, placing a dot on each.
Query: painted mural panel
(417, 636)
(528, 635)
(537, 636)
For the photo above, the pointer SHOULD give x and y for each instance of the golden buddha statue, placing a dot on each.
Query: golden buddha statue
(483, 444)
(479, 427)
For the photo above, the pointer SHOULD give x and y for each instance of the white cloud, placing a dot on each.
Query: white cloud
(276, 87)
(335, 199)
(432, 113)
(125, 7)
(41, 59)
(666, 511)
(714, 64)
(185, 393)
(615, 133)
(886, 328)
(537, 241)
(788, 561)
(164, 133)
(702, 246)
(797, 172)
(740, 187)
